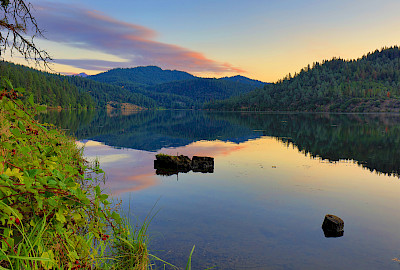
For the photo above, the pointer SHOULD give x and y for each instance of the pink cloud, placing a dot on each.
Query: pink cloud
(136, 44)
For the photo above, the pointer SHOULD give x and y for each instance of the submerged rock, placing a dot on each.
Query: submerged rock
(330, 234)
(333, 226)
(203, 164)
(172, 164)
(169, 165)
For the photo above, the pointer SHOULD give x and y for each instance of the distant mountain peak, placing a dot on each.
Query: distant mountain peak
(242, 79)
(82, 74)
(143, 75)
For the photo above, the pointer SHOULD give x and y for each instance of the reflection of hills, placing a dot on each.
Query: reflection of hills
(69, 120)
(372, 140)
(153, 130)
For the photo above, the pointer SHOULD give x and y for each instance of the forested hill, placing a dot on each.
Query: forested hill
(103, 93)
(152, 75)
(202, 90)
(146, 87)
(50, 89)
(142, 76)
(370, 83)
(245, 80)
(176, 89)
(69, 91)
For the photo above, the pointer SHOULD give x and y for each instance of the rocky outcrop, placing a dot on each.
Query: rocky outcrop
(333, 226)
(169, 165)
(203, 164)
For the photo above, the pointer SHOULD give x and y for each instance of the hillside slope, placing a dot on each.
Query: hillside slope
(141, 76)
(176, 89)
(50, 89)
(201, 90)
(370, 83)
(68, 91)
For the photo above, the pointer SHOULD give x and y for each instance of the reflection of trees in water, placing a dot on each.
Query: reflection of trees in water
(70, 120)
(153, 130)
(371, 140)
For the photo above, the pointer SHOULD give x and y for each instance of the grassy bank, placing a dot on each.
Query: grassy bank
(53, 214)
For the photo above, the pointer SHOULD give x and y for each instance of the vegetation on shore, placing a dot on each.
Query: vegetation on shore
(369, 84)
(46, 88)
(53, 212)
(69, 91)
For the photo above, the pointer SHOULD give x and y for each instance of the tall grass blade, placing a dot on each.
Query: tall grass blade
(189, 263)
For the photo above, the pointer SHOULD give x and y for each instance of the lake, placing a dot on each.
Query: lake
(275, 178)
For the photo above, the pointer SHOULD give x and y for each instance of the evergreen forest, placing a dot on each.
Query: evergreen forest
(146, 87)
(176, 89)
(368, 84)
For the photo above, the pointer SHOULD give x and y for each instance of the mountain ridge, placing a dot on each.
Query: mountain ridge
(135, 75)
(369, 84)
(174, 88)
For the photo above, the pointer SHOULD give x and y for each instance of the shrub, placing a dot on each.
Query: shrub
(53, 214)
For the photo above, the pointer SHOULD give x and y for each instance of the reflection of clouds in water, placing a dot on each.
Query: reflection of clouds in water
(130, 170)
(104, 153)
(89, 143)
(131, 180)
(205, 148)
(109, 158)
(126, 169)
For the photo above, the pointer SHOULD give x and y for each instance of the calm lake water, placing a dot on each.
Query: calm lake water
(275, 178)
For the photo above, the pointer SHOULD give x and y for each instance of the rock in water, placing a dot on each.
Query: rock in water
(172, 164)
(203, 164)
(168, 165)
(333, 226)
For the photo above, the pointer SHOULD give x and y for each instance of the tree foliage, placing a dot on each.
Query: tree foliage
(49, 89)
(18, 29)
(69, 91)
(176, 89)
(371, 83)
(53, 214)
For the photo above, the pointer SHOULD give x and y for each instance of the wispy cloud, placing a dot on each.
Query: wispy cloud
(136, 44)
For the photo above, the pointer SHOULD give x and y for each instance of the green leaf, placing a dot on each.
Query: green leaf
(76, 216)
(16, 132)
(8, 146)
(32, 173)
(115, 216)
(52, 201)
(20, 89)
(47, 259)
(21, 126)
(60, 217)
(103, 197)
(48, 194)
(51, 182)
(30, 99)
(8, 82)
(25, 150)
(98, 191)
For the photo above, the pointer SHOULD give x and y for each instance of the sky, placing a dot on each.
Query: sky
(259, 39)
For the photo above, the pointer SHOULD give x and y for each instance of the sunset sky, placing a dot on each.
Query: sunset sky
(260, 39)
